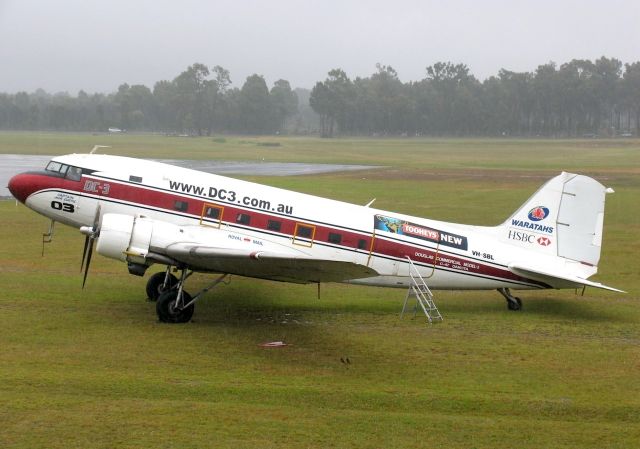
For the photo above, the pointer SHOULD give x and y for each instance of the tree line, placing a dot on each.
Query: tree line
(578, 98)
(199, 101)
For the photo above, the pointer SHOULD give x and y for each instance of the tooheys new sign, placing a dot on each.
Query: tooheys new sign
(401, 227)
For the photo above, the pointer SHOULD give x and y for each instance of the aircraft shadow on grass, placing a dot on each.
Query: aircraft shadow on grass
(572, 309)
(552, 307)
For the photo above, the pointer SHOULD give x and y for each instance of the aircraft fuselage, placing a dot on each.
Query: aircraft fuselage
(261, 218)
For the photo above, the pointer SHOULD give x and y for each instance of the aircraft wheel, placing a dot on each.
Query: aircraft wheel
(155, 285)
(517, 305)
(168, 313)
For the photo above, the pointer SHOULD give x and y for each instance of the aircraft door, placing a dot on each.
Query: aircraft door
(380, 256)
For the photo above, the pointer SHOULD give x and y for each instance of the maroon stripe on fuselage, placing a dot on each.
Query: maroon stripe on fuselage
(158, 198)
(426, 256)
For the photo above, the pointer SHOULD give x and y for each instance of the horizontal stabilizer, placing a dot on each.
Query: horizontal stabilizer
(556, 280)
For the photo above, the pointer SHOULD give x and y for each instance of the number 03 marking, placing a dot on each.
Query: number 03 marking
(64, 207)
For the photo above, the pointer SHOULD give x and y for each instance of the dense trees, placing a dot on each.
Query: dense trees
(198, 101)
(578, 98)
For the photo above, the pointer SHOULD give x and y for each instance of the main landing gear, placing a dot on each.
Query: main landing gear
(173, 303)
(513, 302)
(160, 283)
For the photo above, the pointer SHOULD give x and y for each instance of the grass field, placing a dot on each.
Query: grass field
(93, 368)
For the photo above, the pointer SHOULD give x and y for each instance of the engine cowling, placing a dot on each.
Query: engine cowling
(128, 238)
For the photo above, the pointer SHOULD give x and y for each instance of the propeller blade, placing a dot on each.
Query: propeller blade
(86, 268)
(84, 251)
(96, 219)
(89, 241)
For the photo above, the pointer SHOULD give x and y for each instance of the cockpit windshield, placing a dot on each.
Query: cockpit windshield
(64, 171)
(57, 167)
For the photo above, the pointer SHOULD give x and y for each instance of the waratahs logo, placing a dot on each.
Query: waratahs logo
(538, 213)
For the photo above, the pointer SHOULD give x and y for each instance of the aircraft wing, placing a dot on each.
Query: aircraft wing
(556, 280)
(267, 264)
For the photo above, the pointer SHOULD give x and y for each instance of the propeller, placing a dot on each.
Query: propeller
(91, 233)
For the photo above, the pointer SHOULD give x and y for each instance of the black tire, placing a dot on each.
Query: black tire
(166, 311)
(515, 305)
(155, 285)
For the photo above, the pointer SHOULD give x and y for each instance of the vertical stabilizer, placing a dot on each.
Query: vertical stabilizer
(563, 218)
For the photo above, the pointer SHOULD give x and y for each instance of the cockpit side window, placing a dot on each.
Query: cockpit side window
(74, 173)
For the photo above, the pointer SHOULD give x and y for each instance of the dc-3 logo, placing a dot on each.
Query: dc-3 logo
(538, 213)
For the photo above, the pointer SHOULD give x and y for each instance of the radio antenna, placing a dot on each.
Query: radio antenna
(95, 147)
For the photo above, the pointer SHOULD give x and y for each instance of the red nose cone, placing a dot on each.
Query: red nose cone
(19, 187)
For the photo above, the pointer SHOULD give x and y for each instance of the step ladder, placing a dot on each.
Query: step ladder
(418, 288)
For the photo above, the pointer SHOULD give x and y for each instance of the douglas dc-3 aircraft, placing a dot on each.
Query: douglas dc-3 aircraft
(143, 213)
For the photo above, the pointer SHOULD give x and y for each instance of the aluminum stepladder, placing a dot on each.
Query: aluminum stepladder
(418, 288)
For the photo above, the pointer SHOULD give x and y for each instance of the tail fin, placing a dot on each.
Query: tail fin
(563, 218)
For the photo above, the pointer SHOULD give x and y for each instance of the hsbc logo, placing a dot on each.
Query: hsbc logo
(520, 236)
(527, 237)
(543, 241)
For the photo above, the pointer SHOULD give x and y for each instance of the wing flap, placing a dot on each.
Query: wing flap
(556, 280)
(267, 264)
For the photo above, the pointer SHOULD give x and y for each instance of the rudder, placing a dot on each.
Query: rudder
(581, 219)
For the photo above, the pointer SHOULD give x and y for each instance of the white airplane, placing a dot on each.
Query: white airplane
(145, 213)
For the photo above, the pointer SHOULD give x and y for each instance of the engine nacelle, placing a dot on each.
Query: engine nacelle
(115, 235)
(128, 238)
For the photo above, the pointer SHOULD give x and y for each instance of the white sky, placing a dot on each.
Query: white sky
(68, 45)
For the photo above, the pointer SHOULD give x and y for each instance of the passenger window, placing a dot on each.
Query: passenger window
(274, 225)
(213, 212)
(304, 231)
(211, 215)
(362, 244)
(243, 219)
(182, 206)
(335, 238)
(135, 178)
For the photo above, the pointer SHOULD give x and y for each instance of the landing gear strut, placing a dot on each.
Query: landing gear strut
(513, 302)
(175, 305)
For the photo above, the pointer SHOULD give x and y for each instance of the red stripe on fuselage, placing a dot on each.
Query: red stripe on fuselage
(26, 184)
(158, 198)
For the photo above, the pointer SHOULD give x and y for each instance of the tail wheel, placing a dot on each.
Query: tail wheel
(517, 305)
(167, 310)
(156, 287)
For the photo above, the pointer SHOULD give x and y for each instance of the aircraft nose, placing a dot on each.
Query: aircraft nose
(19, 187)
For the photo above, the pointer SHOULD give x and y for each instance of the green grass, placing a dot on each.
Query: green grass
(94, 368)
(456, 154)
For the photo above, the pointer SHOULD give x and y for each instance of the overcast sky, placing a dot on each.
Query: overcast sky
(68, 45)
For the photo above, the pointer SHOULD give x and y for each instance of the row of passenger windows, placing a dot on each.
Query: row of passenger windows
(301, 230)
